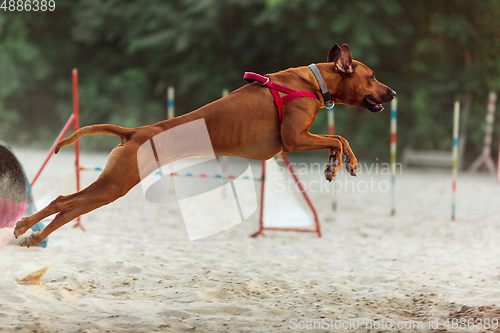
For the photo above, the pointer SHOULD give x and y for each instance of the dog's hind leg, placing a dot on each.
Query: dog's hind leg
(114, 182)
(99, 193)
(61, 219)
(57, 205)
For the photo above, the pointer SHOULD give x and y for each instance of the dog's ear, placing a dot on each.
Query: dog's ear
(343, 63)
(334, 53)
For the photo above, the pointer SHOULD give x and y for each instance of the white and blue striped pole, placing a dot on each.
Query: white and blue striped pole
(170, 109)
(454, 153)
(170, 103)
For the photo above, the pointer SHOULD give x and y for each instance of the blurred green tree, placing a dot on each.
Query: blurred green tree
(129, 52)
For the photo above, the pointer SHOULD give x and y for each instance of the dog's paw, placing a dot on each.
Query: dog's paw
(351, 164)
(329, 174)
(31, 240)
(21, 227)
(331, 167)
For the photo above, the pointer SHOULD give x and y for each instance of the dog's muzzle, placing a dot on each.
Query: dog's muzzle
(375, 105)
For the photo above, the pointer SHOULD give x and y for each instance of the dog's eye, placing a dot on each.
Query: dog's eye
(372, 78)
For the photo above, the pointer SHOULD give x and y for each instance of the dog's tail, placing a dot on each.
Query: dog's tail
(121, 132)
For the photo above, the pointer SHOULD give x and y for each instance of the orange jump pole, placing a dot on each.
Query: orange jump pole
(72, 120)
(61, 135)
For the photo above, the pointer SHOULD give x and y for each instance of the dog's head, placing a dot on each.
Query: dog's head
(357, 85)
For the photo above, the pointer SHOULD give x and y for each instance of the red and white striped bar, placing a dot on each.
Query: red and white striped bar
(454, 153)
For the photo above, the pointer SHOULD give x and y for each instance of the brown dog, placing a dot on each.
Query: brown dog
(243, 124)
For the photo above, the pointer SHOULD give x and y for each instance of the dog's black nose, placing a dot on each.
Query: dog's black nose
(389, 95)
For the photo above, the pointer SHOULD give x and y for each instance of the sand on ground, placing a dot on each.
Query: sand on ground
(134, 269)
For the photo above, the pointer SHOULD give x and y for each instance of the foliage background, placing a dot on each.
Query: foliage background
(128, 52)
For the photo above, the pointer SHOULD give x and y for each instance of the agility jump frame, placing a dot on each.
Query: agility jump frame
(73, 120)
(262, 228)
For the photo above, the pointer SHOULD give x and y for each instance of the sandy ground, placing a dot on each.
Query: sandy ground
(134, 269)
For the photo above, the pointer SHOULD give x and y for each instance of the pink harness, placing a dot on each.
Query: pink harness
(278, 100)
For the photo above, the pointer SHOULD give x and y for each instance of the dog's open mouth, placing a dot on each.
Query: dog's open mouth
(372, 104)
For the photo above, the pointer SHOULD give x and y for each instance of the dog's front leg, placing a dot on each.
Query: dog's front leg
(336, 144)
(333, 165)
(351, 162)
